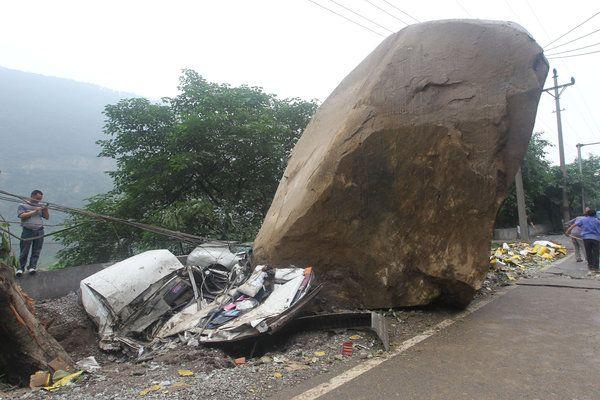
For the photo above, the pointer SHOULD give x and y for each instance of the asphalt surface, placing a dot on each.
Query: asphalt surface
(540, 340)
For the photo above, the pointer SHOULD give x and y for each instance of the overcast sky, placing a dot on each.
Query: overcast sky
(289, 47)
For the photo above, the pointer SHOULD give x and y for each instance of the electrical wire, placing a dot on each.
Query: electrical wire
(463, 8)
(577, 89)
(8, 232)
(536, 17)
(45, 225)
(402, 11)
(573, 40)
(571, 30)
(183, 237)
(572, 50)
(361, 16)
(346, 18)
(385, 11)
(512, 10)
(575, 55)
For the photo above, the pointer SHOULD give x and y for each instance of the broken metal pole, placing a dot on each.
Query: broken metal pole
(194, 287)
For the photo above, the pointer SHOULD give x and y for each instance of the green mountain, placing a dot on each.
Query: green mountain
(48, 130)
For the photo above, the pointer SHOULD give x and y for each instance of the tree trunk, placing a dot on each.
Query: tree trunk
(25, 346)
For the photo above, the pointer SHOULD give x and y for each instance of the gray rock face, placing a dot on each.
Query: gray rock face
(392, 190)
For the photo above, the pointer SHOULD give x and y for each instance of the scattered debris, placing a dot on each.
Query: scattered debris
(358, 319)
(58, 364)
(347, 349)
(153, 388)
(185, 372)
(240, 361)
(58, 375)
(65, 380)
(265, 360)
(295, 366)
(88, 364)
(513, 259)
(39, 379)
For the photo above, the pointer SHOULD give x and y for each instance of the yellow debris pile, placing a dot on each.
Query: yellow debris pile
(515, 258)
(52, 382)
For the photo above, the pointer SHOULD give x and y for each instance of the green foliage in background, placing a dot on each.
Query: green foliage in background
(536, 179)
(542, 184)
(7, 255)
(206, 162)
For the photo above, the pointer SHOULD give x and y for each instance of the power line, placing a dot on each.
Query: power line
(402, 11)
(572, 50)
(463, 8)
(574, 55)
(577, 89)
(385, 11)
(347, 19)
(511, 9)
(45, 225)
(180, 236)
(571, 30)
(536, 17)
(361, 16)
(571, 41)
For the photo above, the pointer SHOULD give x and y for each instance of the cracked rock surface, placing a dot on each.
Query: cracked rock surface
(392, 190)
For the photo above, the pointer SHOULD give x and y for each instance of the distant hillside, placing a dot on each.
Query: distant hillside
(48, 130)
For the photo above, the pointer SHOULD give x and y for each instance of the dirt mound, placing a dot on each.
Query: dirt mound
(66, 320)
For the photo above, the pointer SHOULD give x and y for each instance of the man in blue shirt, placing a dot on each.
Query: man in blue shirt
(590, 233)
(576, 237)
(31, 214)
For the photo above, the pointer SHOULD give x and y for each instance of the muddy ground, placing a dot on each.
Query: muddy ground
(273, 365)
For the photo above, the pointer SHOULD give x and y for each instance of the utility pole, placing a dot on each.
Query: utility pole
(561, 150)
(579, 146)
(524, 228)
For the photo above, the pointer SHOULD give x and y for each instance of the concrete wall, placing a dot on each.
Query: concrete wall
(60, 282)
(511, 233)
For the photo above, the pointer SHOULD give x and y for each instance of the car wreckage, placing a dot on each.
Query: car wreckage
(217, 296)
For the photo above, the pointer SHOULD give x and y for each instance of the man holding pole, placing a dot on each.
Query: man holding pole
(32, 216)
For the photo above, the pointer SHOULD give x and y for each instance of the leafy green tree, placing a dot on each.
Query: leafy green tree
(205, 162)
(589, 178)
(537, 177)
(543, 193)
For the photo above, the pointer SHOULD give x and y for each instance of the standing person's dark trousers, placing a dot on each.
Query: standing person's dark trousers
(592, 250)
(35, 246)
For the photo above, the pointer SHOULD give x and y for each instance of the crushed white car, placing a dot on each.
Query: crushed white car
(217, 297)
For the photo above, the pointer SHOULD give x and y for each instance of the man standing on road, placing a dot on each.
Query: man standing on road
(590, 233)
(31, 214)
(576, 236)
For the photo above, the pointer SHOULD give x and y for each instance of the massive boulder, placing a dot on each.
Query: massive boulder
(392, 190)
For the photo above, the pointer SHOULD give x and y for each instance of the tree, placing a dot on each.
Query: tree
(543, 193)
(25, 347)
(537, 177)
(206, 162)
(589, 178)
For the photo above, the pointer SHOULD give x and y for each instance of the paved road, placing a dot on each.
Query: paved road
(534, 342)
